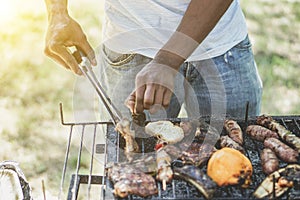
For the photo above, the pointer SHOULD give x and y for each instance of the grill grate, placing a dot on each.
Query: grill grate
(177, 189)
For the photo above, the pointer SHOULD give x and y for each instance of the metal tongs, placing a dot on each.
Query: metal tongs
(85, 67)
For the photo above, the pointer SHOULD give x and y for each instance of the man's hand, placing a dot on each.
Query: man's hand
(64, 32)
(154, 85)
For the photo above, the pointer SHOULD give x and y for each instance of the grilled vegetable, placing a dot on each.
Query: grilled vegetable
(260, 133)
(165, 131)
(197, 154)
(234, 131)
(284, 134)
(129, 180)
(283, 151)
(198, 178)
(226, 141)
(284, 178)
(269, 161)
(228, 166)
(163, 161)
(123, 127)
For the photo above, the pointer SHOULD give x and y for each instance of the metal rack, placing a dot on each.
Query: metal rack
(177, 189)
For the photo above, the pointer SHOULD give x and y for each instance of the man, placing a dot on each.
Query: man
(159, 54)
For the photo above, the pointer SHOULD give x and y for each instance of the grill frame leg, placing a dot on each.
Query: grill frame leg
(81, 179)
(73, 191)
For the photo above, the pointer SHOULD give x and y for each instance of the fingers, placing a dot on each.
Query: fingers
(68, 58)
(61, 54)
(130, 102)
(86, 48)
(158, 99)
(149, 97)
(167, 98)
(56, 58)
(139, 99)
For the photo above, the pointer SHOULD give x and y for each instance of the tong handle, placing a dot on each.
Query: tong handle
(85, 67)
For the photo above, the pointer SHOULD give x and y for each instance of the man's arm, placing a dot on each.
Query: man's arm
(153, 86)
(200, 18)
(64, 32)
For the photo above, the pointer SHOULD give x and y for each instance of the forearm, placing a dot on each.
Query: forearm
(56, 7)
(199, 19)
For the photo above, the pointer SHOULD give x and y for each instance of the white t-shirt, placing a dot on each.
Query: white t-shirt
(144, 26)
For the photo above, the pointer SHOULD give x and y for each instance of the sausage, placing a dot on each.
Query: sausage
(269, 161)
(283, 151)
(284, 133)
(234, 131)
(260, 133)
(226, 141)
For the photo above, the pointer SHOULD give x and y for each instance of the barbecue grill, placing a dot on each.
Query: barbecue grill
(177, 189)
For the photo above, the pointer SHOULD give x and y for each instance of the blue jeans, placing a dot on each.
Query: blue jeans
(219, 86)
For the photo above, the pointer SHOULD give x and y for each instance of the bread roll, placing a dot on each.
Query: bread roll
(165, 131)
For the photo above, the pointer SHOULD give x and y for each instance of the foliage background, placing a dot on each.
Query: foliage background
(32, 85)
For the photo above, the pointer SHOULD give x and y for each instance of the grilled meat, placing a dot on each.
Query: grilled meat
(145, 164)
(284, 134)
(284, 178)
(198, 178)
(197, 154)
(234, 131)
(163, 161)
(228, 166)
(269, 161)
(172, 151)
(283, 151)
(226, 141)
(206, 133)
(123, 127)
(189, 127)
(260, 133)
(129, 180)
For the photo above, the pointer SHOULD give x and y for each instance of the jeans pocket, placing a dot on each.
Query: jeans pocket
(244, 44)
(117, 60)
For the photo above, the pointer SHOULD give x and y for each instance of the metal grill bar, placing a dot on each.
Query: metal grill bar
(77, 178)
(74, 189)
(91, 163)
(65, 162)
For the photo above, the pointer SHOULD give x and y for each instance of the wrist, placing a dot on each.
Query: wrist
(168, 58)
(56, 8)
(57, 12)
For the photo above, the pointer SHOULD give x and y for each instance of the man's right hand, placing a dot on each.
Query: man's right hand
(64, 32)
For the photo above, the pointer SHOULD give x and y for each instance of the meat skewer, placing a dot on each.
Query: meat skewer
(163, 160)
(234, 131)
(131, 145)
(284, 134)
(226, 141)
(269, 161)
(283, 151)
(260, 133)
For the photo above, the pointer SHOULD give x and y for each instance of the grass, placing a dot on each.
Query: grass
(32, 85)
(273, 28)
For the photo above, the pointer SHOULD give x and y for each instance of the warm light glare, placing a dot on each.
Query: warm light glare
(7, 10)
